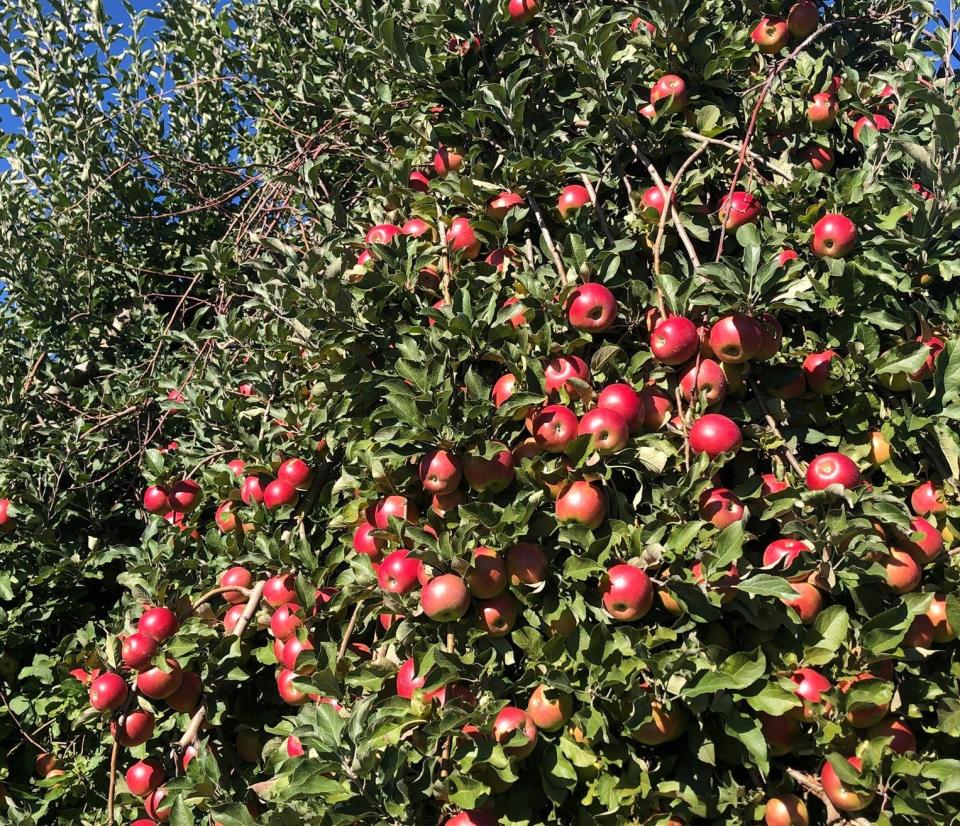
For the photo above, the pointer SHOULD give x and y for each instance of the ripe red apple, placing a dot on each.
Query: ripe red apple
(739, 209)
(822, 111)
(399, 572)
(417, 228)
(158, 622)
(878, 123)
(810, 687)
(440, 471)
(674, 340)
(232, 617)
(295, 472)
(137, 651)
(785, 552)
(665, 724)
(446, 161)
(927, 499)
(843, 797)
(714, 434)
(144, 776)
(771, 337)
(725, 585)
(519, 318)
(108, 692)
(862, 715)
(937, 615)
(418, 181)
(736, 338)
(235, 576)
(935, 347)
(832, 469)
(475, 817)
(445, 598)
(186, 697)
(462, 238)
(408, 683)
(786, 256)
(669, 87)
(159, 683)
(770, 34)
(834, 236)
(592, 307)
(443, 503)
(8, 522)
(772, 485)
(654, 200)
(394, 506)
(626, 401)
(549, 708)
(381, 234)
(292, 649)
(134, 728)
(571, 199)
(582, 503)
(657, 408)
(289, 693)
(509, 721)
(156, 500)
(526, 564)
(903, 574)
(704, 378)
(627, 592)
(807, 603)
(293, 746)
(279, 590)
(494, 475)
(226, 517)
(608, 428)
(554, 427)
(285, 621)
(279, 494)
(786, 810)
(503, 389)
(903, 741)
(560, 370)
(780, 731)
(488, 573)
(154, 808)
(251, 491)
(803, 19)
(184, 496)
(818, 157)
(498, 615)
(364, 542)
(926, 547)
(817, 372)
(522, 11)
(500, 205)
(721, 507)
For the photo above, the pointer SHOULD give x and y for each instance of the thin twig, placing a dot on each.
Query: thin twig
(16, 722)
(112, 789)
(193, 729)
(668, 204)
(548, 240)
(448, 743)
(771, 423)
(349, 631)
(222, 590)
(601, 219)
(812, 786)
(683, 428)
(444, 257)
(778, 168)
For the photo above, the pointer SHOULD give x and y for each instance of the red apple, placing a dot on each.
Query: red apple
(810, 686)
(399, 572)
(503, 389)
(772, 485)
(364, 542)
(440, 471)
(509, 721)
(186, 697)
(184, 496)
(803, 19)
(394, 506)
(671, 88)
(488, 573)
(293, 746)
(627, 592)
(834, 236)
(665, 724)
(592, 307)
(549, 709)
(739, 209)
(571, 199)
(475, 817)
(674, 340)
(582, 503)
(289, 693)
(903, 574)
(654, 200)
(818, 157)
(832, 469)
(279, 589)
(522, 11)
(144, 776)
(494, 475)
(381, 234)
(736, 338)
(560, 370)
(462, 238)
(279, 494)
(843, 797)
(937, 614)
(818, 375)
(295, 472)
(417, 228)
(526, 564)
(554, 427)
(159, 683)
(822, 111)
(721, 507)
(657, 408)
(878, 123)
(156, 500)
(714, 434)
(626, 401)
(446, 161)
(159, 622)
(863, 715)
(935, 346)
(807, 603)
(108, 692)
(133, 729)
(608, 428)
(232, 617)
(499, 206)
(137, 651)
(780, 731)
(786, 256)
(285, 621)
(785, 552)
(927, 499)
(786, 810)
(292, 649)
(445, 598)
(418, 182)
(926, 547)
(498, 615)
(771, 337)
(770, 34)
(251, 491)
(903, 741)
(704, 378)
(408, 683)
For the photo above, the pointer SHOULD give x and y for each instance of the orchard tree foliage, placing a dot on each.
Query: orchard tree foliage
(497, 412)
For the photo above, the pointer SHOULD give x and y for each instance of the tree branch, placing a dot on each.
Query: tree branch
(548, 239)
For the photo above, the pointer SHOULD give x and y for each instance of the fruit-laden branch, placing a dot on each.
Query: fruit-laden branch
(221, 590)
(778, 67)
(771, 423)
(601, 218)
(548, 239)
(252, 602)
(778, 168)
(812, 786)
(348, 632)
(192, 730)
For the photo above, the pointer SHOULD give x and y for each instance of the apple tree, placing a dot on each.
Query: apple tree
(507, 412)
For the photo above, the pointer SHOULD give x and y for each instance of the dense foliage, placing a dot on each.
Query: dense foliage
(182, 218)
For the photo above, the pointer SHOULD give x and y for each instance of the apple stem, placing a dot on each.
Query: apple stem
(548, 239)
(215, 591)
(252, 602)
(791, 458)
(601, 219)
